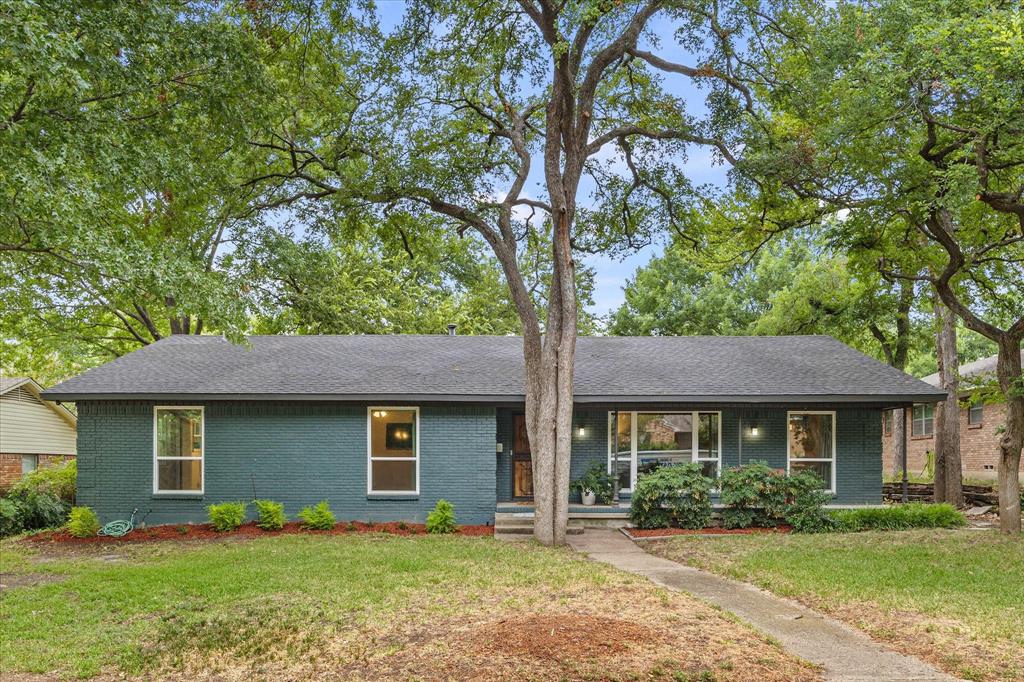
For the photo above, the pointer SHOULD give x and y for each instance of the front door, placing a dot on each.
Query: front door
(522, 465)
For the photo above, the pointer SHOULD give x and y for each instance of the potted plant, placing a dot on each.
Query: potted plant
(594, 486)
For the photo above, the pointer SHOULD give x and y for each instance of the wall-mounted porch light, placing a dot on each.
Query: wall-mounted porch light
(753, 431)
(581, 432)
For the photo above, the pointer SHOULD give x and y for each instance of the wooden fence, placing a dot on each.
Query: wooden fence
(924, 492)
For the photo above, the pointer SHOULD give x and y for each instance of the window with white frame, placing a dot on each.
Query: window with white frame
(923, 419)
(642, 442)
(976, 414)
(178, 449)
(29, 463)
(393, 450)
(812, 444)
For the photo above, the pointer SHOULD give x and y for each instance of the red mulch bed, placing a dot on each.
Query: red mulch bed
(203, 531)
(659, 532)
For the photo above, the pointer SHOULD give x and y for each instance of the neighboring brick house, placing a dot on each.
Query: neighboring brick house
(33, 432)
(980, 426)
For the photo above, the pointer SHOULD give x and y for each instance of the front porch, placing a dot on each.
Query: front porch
(509, 516)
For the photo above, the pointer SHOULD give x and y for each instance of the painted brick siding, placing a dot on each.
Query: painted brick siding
(298, 453)
(858, 444)
(979, 445)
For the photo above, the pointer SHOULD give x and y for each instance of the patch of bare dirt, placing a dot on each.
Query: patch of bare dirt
(10, 580)
(946, 643)
(559, 637)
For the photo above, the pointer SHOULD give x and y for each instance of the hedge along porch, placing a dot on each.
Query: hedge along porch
(851, 465)
(384, 426)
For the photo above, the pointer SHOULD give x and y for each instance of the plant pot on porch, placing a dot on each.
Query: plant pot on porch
(588, 497)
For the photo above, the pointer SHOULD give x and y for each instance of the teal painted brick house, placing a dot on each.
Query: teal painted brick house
(383, 427)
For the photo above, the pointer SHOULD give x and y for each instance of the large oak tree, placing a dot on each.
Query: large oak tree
(463, 107)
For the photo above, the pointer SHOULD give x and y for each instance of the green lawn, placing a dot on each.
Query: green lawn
(359, 607)
(953, 597)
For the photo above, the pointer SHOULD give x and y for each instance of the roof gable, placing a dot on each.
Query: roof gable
(20, 385)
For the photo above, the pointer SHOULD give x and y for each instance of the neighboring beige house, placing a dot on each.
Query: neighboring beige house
(980, 426)
(33, 432)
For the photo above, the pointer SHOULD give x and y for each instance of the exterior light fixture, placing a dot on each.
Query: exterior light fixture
(753, 430)
(581, 432)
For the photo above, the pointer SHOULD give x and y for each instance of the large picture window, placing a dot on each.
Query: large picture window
(924, 419)
(812, 444)
(178, 450)
(393, 434)
(642, 442)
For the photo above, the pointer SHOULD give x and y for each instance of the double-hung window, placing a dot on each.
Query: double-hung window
(178, 450)
(393, 450)
(642, 442)
(924, 419)
(975, 414)
(812, 444)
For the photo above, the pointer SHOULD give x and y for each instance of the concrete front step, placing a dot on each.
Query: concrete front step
(524, 526)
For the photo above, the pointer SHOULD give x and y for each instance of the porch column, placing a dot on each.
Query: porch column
(614, 440)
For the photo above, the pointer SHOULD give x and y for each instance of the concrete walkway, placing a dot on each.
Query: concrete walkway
(846, 654)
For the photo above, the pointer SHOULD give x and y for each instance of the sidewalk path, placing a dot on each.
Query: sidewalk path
(847, 654)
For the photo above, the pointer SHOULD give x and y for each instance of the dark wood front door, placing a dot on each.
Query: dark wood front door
(522, 465)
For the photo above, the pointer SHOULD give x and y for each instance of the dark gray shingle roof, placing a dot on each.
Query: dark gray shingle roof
(490, 368)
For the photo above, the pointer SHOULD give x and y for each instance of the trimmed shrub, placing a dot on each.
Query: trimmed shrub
(678, 495)
(10, 517)
(58, 480)
(83, 522)
(442, 519)
(805, 496)
(227, 516)
(900, 517)
(754, 495)
(317, 517)
(271, 514)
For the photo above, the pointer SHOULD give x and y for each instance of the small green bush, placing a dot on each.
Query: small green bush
(754, 495)
(38, 509)
(10, 517)
(83, 522)
(442, 519)
(317, 517)
(597, 480)
(900, 517)
(678, 495)
(227, 516)
(58, 480)
(806, 498)
(271, 514)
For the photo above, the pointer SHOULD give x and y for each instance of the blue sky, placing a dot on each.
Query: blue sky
(612, 273)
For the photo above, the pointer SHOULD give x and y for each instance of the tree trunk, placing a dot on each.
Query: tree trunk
(948, 468)
(1011, 382)
(549, 406)
(899, 440)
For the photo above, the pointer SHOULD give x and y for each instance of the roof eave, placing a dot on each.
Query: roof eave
(892, 399)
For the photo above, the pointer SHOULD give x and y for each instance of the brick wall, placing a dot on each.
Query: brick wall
(295, 453)
(979, 445)
(10, 467)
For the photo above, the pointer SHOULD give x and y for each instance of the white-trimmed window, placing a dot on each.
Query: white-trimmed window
(975, 414)
(812, 444)
(178, 444)
(923, 419)
(393, 450)
(646, 441)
